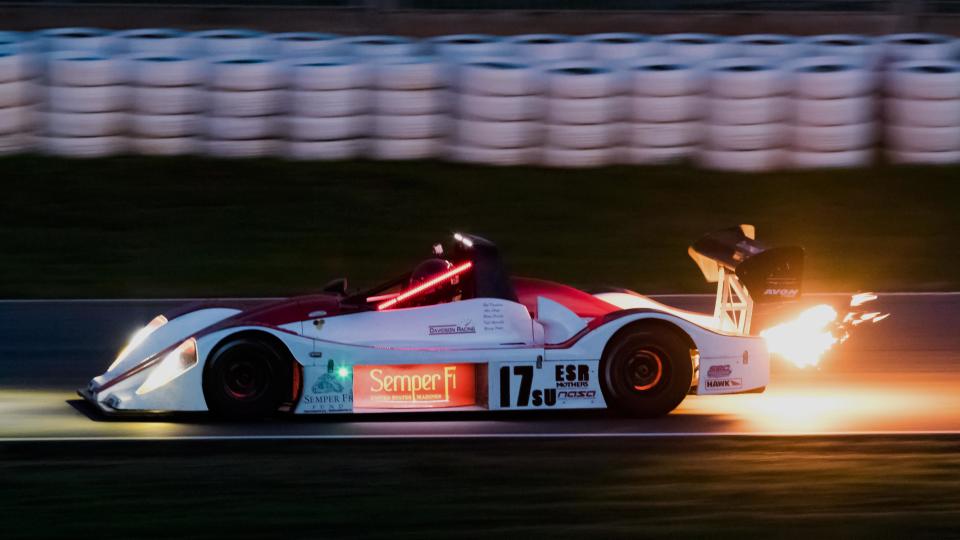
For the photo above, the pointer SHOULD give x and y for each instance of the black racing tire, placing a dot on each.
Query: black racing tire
(246, 379)
(646, 371)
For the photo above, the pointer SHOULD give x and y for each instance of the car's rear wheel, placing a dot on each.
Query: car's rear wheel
(646, 371)
(246, 378)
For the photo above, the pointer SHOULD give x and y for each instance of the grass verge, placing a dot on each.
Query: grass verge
(145, 227)
(717, 488)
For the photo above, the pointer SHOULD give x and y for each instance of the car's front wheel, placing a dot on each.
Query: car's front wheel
(646, 371)
(246, 378)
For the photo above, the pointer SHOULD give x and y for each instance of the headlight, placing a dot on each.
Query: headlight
(137, 338)
(178, 362)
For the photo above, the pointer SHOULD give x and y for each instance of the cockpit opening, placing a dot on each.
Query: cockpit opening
(470, 268)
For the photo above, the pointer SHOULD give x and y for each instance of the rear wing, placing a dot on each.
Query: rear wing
(746, 272)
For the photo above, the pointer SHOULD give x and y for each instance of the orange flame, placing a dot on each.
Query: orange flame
(804, 340)
(862, 298)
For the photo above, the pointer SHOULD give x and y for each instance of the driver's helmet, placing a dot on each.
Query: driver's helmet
(444, 291)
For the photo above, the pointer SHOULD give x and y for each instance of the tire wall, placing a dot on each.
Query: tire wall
(743, 103)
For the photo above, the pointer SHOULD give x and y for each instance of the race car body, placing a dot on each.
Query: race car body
(456, 333)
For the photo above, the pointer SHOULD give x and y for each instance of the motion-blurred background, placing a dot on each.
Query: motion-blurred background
(741, 102)
(264, 148)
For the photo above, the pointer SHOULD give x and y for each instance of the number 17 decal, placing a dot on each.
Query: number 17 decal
(540, 397)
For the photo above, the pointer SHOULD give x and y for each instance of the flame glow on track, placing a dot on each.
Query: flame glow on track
(804, 340)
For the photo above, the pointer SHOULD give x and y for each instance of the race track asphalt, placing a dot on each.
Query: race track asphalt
(899, 376)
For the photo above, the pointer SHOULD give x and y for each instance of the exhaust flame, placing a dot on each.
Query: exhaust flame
(805, 339)
(866, 317)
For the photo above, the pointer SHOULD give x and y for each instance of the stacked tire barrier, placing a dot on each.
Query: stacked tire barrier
(459, 47)
(381, 46)
(303, 44)
(583, 115)
(225, 42)
(410, 119)
(619, 47)
(167, 103)
(743, 103)
(498, 113)
(909, 47)
(862, 49)
(17, 100)
(20, 42)
(746, 111)
(833, 113)
(664, 111)
(85, 107)
(697, 47)
(151, 41)
(244, 97)
(94, 40)
(923, 112)
(546, 47)
(328, 107)
(776, 46)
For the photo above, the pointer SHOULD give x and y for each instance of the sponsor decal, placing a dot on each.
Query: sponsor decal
(328, 402)
(327, 384)
(330, 392)
(448, 329)
(577, 394)
(719, 371)
(572, 375)
(492, 317)
(722, 384)
(414, 386)
(784, 293)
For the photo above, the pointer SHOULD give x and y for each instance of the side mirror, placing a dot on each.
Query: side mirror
(337, 286)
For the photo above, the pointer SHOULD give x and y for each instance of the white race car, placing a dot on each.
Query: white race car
(458, 333)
